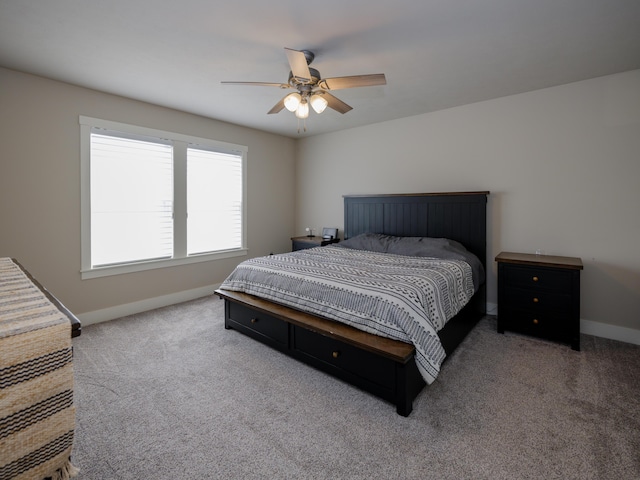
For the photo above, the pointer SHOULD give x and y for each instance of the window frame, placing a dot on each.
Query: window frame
(180, 144)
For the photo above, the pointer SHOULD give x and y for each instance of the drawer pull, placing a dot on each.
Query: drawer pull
(536, 321)
(254, 320)
(335, 354)
(535, 300)
(535, 279)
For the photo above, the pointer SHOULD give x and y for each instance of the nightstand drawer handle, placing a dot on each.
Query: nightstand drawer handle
(535, 300)
(535, 279)
(536, 321)
(335, 354)
(254, 320)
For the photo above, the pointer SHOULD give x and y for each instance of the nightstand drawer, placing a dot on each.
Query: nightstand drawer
(537, 300)
(302, 245)
(262, 324)
(542, 324)
(537, 277)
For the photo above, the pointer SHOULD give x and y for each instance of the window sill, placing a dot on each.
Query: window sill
(161, 263)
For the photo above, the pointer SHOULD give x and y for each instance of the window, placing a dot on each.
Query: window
(152, 199)
(214, 182)
(131, 193)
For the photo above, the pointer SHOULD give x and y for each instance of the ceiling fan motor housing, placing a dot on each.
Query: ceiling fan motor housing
(297, 82)
(309, 56)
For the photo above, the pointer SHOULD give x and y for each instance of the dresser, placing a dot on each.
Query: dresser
(539, 295)
(37, 412)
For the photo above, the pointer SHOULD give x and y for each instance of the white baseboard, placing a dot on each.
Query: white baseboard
(612, 332)
(118, 311)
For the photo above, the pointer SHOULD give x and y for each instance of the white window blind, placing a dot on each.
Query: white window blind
(214, 201)
(131, 200)
(152, 198)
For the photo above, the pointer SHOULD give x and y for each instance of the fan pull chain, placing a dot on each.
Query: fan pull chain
(304, 125)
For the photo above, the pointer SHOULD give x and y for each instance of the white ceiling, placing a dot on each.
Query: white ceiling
(436, 54)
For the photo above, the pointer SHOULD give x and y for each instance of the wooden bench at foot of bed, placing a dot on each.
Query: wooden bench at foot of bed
(381, 366)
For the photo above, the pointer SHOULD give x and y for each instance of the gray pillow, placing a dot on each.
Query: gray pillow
(443, 248)
(372, 242)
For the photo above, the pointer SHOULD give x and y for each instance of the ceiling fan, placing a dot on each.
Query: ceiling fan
(311, 88)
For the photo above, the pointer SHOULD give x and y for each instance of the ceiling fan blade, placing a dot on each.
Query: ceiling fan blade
(277, 107)
(298, 64)
(258, 84)
(335, 103)
(338, 83)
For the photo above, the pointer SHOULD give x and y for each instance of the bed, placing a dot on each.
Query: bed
(387, 366)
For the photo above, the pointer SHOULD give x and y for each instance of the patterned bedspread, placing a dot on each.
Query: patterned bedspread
(404, 298)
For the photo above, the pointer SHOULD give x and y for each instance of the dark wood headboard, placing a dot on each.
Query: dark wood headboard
(460, 216)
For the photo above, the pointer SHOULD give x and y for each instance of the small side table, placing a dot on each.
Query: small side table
(539, 295)
(300, 243)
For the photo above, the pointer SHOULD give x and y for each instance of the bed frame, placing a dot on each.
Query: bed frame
(381, 366)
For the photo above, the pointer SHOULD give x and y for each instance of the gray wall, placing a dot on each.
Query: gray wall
(562, 165)
(40, 189)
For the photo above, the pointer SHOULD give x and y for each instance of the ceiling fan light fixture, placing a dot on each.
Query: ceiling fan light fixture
(318, 103)
(303, 110)
(312, 88)
(292, 101)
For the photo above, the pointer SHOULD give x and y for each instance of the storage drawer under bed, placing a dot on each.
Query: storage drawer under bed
(258, 324)
(366, 365)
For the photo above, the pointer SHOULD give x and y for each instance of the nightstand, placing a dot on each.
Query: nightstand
(300, 243)
(539, 295)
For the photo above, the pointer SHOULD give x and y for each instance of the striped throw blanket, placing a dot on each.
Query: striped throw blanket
(395, 296)
(37, 415)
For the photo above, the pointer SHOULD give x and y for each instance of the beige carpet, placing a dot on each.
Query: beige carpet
(171, 394)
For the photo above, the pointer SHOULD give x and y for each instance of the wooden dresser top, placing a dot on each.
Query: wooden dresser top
(540, 260)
